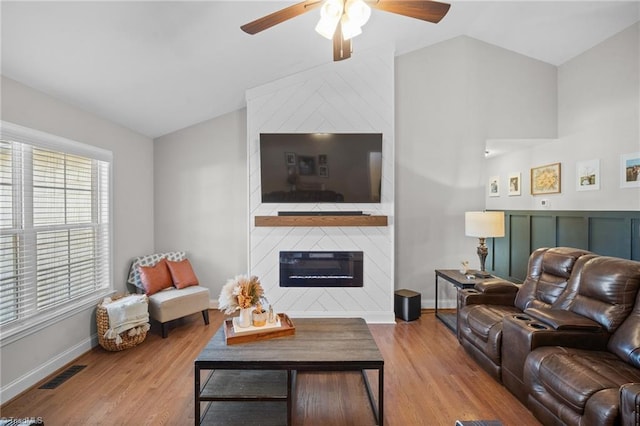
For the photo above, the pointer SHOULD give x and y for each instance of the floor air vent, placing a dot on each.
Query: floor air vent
(62, 377)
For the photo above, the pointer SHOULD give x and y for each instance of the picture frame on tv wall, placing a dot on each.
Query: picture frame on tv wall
(290, 158)
(306, 165)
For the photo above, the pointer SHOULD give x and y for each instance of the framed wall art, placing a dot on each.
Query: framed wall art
(514, 184)
(545, 179)
(588, 175)
(323, 171)
(630, 170)
(494, 186)
(290, 158)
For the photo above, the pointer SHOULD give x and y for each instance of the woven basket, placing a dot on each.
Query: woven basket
(102, 321)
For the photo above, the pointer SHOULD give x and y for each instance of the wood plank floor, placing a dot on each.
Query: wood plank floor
(429, 380)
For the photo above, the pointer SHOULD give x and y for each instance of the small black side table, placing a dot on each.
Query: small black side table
(460, 281)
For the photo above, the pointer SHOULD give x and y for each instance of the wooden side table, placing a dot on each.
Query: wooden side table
(460, 281)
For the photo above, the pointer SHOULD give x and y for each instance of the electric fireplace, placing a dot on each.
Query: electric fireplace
(321, 269)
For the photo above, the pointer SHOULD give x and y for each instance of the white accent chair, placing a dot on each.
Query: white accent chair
(171, 303)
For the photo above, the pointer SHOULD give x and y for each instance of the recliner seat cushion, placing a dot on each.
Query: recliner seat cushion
(567, 378)
(482, 327)
(482, 318)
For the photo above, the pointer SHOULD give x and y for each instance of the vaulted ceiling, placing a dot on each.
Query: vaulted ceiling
(159, 66)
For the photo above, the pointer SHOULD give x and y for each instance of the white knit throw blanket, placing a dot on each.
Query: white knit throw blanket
(127, 313)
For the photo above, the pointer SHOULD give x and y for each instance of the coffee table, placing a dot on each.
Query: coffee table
(260, 376)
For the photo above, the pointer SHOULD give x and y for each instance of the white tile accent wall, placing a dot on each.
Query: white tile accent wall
(352, 96)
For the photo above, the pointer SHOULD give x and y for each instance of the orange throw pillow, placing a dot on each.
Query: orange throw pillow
(182, 273)
(155, 278)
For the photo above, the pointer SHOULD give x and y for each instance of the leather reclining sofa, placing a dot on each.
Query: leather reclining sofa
(566, 341)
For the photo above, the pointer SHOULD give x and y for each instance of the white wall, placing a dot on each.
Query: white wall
(598, 118)
(450, 98)
(37, 355)
(201, 197)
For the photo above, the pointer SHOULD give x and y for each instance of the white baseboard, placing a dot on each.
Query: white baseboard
(442, 304)
(24, 382)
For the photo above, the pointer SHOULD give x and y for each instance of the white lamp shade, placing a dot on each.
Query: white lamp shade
(484, 224)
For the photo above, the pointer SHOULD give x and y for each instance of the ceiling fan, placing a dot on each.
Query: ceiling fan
(341, 20)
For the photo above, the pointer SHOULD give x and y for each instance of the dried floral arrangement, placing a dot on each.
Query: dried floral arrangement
(239, 293)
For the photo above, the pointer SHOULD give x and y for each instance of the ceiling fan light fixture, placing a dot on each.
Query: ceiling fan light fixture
(358, 11)
(330, 15)
(350, 29)
(326, 28)
(351, 15)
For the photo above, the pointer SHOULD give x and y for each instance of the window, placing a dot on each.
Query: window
(55, 255)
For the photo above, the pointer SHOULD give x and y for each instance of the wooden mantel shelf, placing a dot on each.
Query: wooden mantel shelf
(321, 220)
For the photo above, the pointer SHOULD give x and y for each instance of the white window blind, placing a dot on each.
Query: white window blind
(55, 253)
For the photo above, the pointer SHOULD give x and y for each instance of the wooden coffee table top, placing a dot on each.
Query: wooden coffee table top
(318, 344)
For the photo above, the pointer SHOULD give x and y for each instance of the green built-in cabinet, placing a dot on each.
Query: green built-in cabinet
(608, 233)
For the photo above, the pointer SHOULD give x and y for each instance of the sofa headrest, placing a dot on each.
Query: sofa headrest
(548, 272)
(607, 289)
(559, 261)
(150, 260)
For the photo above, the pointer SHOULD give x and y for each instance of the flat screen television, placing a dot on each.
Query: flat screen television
(321, 167)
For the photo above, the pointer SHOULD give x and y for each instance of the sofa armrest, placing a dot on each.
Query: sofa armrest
(496, 287)
(490, 292)
(563, 320)
(630, 404)
(522, 334)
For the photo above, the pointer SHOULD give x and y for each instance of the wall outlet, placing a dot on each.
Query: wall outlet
(544, 203)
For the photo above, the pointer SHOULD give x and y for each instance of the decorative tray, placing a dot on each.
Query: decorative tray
(252, 334)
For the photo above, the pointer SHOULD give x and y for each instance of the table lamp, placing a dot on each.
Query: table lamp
(483, 225)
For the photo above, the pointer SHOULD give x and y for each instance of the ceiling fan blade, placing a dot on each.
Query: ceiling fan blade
(341, 47)
(281, 15)
(430, 11)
